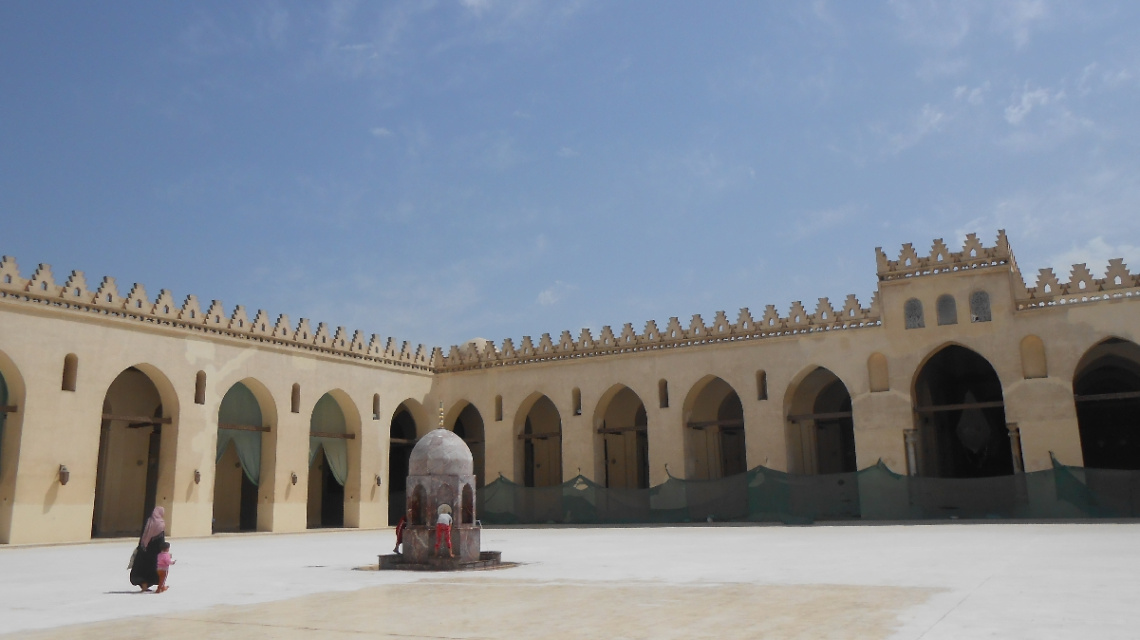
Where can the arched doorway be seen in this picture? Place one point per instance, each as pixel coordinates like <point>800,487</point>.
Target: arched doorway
<point>1106,389</point>
<point>401,441</point>
<point>469,426</point>
<point>136,427</point>
<point>540,456</point>
<point>328,463</point>
<point>714,433</point>
<point>960,416</point>
<point>238,458</point>
<point>820,431</point>
<point>621,441</point>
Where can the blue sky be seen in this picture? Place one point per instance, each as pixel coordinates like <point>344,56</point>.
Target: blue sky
<point>436,171</point>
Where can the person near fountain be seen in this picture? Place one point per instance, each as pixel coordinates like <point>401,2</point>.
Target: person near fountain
<point>400,526</point>
<point>443,528</point>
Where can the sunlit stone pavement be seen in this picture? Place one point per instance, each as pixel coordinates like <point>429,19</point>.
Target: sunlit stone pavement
<point>891,581</point>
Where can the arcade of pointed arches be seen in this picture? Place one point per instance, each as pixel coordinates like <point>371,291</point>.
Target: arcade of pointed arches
<point>960,431</point>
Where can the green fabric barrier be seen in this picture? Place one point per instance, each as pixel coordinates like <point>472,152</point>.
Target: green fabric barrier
<point>872,494</point>
<point>240,406</point>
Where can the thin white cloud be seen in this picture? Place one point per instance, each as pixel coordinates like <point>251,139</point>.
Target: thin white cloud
<point>567,152</point>
<point>555,293</point>
<point>974,96</point>
<point>929,119</point>
<point>1095,254</point>
<point>380,132</point>
<point>1029,99</point>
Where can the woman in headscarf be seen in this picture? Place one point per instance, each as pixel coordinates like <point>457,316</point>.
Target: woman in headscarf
<point>144,571</point>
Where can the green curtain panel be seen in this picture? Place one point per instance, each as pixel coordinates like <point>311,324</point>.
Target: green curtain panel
<point>328,418</point>
<point>239,406</point>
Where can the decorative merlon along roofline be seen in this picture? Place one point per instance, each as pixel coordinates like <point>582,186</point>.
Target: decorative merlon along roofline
<point>164,311</point>
<point>1118,283</point>
<point>481,354</point>
<point>1082,287</point>
<point>941,260</point>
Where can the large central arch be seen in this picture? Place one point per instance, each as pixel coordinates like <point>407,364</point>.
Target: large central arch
<point>714,433</point>
<point>1106,389</point>
<point>538,458</point>
<point>820,432</point>
<point>621,442</point>
<point>960,417</point>
<point>137,426</point>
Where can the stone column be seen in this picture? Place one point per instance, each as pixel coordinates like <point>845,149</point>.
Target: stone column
<point>911,438</point>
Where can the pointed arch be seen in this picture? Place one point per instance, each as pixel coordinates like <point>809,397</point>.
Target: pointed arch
<point>621,439</point>
<point>139,422</point>
<point>466,421</point>
<point>245,458</point>
<point>334,462</point>
<point>403,432</point>
<point>11,423</point>
<point>538,452</point>
<point>819,429</point>
<point>960,416</point>
<point>1106,390</point>
<point>714,430</point>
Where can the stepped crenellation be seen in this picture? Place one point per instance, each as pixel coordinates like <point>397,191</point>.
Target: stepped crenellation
<point>106,300</point>
<point>76,294</point>
<point>941,260</point>
<point>798,321</point>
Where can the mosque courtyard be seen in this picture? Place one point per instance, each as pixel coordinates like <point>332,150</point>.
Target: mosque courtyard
<point>968,580</point>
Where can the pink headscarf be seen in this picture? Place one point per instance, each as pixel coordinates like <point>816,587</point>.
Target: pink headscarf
<point>154,526</point>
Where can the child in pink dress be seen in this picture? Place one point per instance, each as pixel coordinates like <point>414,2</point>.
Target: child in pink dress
<point>164,562</point>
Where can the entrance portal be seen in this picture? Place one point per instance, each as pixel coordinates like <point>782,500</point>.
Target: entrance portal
<point>1106,389</point>
<point>130,440</point>
<point>960,414</point>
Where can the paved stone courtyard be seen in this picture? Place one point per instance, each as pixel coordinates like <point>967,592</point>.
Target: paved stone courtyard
<point>891,581</point>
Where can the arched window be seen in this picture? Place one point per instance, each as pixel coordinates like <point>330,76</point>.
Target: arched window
<point>663,393</point>
<point>376,406</point>
<point>70,371</point>
<point>912,310</point>
<point>295,399</point>
<point>1033,364</point>
<point>979,306</point>
<point>200,388</point>
<point>947,310</point>
<point>498,408</point>
<point>576,400</point>
<point>761,385</point>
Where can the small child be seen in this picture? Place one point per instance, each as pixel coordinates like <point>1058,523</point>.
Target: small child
<point>164,562</point>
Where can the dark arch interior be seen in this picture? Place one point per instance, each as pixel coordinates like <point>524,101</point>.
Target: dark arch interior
<point>469,427</point>
<point>402,436</point>
<point>1107,390</point>
<point>542,457</point>
<point>835,436</point>
<point>960,439</point>
<point>730,415</point>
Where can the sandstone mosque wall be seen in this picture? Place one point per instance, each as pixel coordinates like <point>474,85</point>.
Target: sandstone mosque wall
<point>613,406</point>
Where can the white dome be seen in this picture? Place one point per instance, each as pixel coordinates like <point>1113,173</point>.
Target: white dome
<point>441,453</point>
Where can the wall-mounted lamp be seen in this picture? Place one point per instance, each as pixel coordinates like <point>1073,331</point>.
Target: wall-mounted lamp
<point>64,474</point>
<point>197,476</point>
<point>378,481</point>
<point>293,477</point>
